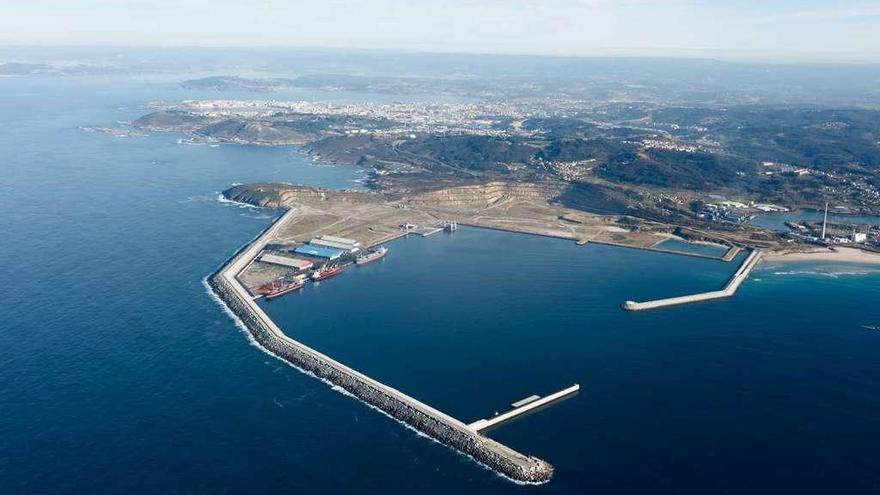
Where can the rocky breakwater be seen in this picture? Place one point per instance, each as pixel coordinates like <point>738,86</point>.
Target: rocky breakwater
<point>419,416</point>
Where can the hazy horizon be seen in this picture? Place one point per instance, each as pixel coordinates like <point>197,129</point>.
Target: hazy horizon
<point>747,30</point>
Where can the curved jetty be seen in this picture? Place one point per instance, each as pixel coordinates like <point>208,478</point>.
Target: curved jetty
<point>420,416</point>
<point>730,289</point>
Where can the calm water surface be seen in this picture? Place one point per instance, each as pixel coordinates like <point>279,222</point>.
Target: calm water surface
<point>692,247</point>
<point>118,373</point>
<point>776,221</point>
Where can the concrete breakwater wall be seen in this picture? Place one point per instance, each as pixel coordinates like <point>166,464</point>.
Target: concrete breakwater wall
<point>516,230</point>
<point>728,256</point>
<point>421,417</point>
<point>729,289</point>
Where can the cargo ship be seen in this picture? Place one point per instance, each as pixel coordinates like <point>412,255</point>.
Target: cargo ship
<point>326,272</point>
<point>269,287</point>
<point>371,256</point>
<point>284,288</point>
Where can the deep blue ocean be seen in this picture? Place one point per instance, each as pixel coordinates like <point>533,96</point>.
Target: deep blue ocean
<point>120,374</point>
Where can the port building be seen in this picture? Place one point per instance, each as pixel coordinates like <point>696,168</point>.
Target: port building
<point>298,264</point>
<point>330,241</point>
<point>319,251</point>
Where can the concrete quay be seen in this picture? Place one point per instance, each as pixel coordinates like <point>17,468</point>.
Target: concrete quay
<point>518,410</point>
<point>729,255</point>
<point>419,416</point>
<point>742,273</point>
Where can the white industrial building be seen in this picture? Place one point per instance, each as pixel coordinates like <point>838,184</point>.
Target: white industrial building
<point>279,259</point>
<point>330,241</point>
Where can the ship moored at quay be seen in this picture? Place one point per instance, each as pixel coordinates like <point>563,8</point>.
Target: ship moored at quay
<point>329,255</point>
<point>374,255</point>
<point>326,272</point>
<point>416,414</point>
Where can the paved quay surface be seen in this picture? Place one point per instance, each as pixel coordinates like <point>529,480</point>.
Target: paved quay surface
<point>416,414</point>
<point>533,403</point>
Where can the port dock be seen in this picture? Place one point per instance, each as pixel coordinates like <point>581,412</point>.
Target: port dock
<point>728,255</point>
<point>731,253</point>
<point>523,406</point>
<point>363,218</point>
<point>445,429</point>
<point>741,274</point>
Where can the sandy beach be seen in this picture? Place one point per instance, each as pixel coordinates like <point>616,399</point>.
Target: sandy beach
<point>841,254</point>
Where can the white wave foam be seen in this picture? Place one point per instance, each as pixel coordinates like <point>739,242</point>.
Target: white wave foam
<point>257,217</point>
<point>341,390</point>
<point>826,273</point>
<point>238,204</point>
<point>201,198</point>
<point>190,142</point>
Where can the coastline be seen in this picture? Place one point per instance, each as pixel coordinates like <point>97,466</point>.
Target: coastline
<point>839,255</point>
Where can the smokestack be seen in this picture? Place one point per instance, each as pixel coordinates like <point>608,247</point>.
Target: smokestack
<point>825,221</point>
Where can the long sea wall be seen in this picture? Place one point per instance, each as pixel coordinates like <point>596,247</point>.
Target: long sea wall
<point>423,418</point>
<point>729,289</point>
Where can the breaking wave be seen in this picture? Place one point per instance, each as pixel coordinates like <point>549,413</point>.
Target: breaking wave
<point>238,204</point>
<point>827,273</point>
<point>341,390</point>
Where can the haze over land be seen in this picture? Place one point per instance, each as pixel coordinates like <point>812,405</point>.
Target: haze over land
<point>671,140</point>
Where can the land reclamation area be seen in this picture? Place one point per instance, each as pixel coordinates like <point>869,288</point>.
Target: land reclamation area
<point>130,369</point>
<point>471,321</point>
<point>317,216</point>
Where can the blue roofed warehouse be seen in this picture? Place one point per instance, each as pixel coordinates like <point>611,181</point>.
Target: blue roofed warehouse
<point>318,251</point>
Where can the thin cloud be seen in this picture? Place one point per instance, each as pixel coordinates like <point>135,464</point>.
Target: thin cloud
<point>849,13</point>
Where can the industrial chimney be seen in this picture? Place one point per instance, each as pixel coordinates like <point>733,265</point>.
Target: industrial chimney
<point>825,221</point>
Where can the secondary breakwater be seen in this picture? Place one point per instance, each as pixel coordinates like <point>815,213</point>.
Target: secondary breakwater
<point>421,417</point>
<point>729,255</point>
<point>729,289</point>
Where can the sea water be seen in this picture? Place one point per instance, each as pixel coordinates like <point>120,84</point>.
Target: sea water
<point>776,221</point>
<point>119,373</point>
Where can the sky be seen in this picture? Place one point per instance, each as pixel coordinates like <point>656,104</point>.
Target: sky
<point>810,30</point>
